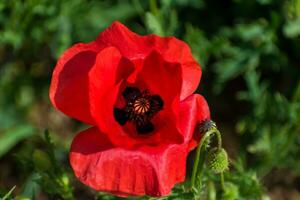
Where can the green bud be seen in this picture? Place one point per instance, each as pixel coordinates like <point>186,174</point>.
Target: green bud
<point>217,160</point>
<point>41,160</point>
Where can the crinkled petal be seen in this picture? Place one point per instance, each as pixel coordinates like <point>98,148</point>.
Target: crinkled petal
<point>148,170</point>
<point>193,110</point>
<point>69,85</point>
<point>134,46</point>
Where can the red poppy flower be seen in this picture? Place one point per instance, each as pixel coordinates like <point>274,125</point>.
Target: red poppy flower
<point>137,93</point>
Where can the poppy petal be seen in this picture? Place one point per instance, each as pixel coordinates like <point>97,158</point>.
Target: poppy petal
<point>135,47</point>
<point>161,78</point>
<point>164,80</point>
<point>69,85</point>
<point>148,170</point>
<point>104,92</point>
<point>177,51</point>
<point>193,110</point>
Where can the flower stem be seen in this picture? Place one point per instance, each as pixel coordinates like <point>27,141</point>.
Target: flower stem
<point>222,181</point>
<point>198,153</point>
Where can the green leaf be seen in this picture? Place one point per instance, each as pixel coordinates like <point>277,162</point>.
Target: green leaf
<point>12,136</point>
<point>292,28</point>
<point>198,43</point>
<point>30,187</point>
<point>153,24</point>
<point>8,195</point>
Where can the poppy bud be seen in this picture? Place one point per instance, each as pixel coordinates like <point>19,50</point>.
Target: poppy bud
<point>41,160</point>
<point>207,125</point>
<point>217,160</point>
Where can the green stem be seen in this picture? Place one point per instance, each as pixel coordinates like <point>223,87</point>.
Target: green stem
<point>222,181</point>
<point>8,195</point>
<point>201,169</point>
<point>219,138</point>
<point>198,152</point>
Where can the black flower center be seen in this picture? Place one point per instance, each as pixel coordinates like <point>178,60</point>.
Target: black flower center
<point>140,108</point>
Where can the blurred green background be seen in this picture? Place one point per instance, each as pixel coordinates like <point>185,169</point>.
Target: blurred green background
<point>250,54</point>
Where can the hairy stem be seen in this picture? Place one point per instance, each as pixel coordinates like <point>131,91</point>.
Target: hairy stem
<point>196,167</point>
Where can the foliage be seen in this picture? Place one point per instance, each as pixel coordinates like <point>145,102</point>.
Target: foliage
<point>249,51</point>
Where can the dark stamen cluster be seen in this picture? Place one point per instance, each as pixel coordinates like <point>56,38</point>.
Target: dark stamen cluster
<point>140,108</point>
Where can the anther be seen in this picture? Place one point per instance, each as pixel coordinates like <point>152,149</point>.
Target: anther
<point>140,109</point>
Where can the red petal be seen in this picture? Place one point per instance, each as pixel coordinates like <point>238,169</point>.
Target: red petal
<point>161,77</point>
<point>69,84</point>
<point>193,110</point>
<point>104,93</point>
<point>149,171</point>
<point>134,47</point>
<point>177,51</point>
<point>164,79</point>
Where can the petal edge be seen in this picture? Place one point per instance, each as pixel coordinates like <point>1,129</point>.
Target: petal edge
<point>69,84</point>
<point>149,171</point>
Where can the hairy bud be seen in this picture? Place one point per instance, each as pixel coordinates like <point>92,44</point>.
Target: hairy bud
<point>217,160</point>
